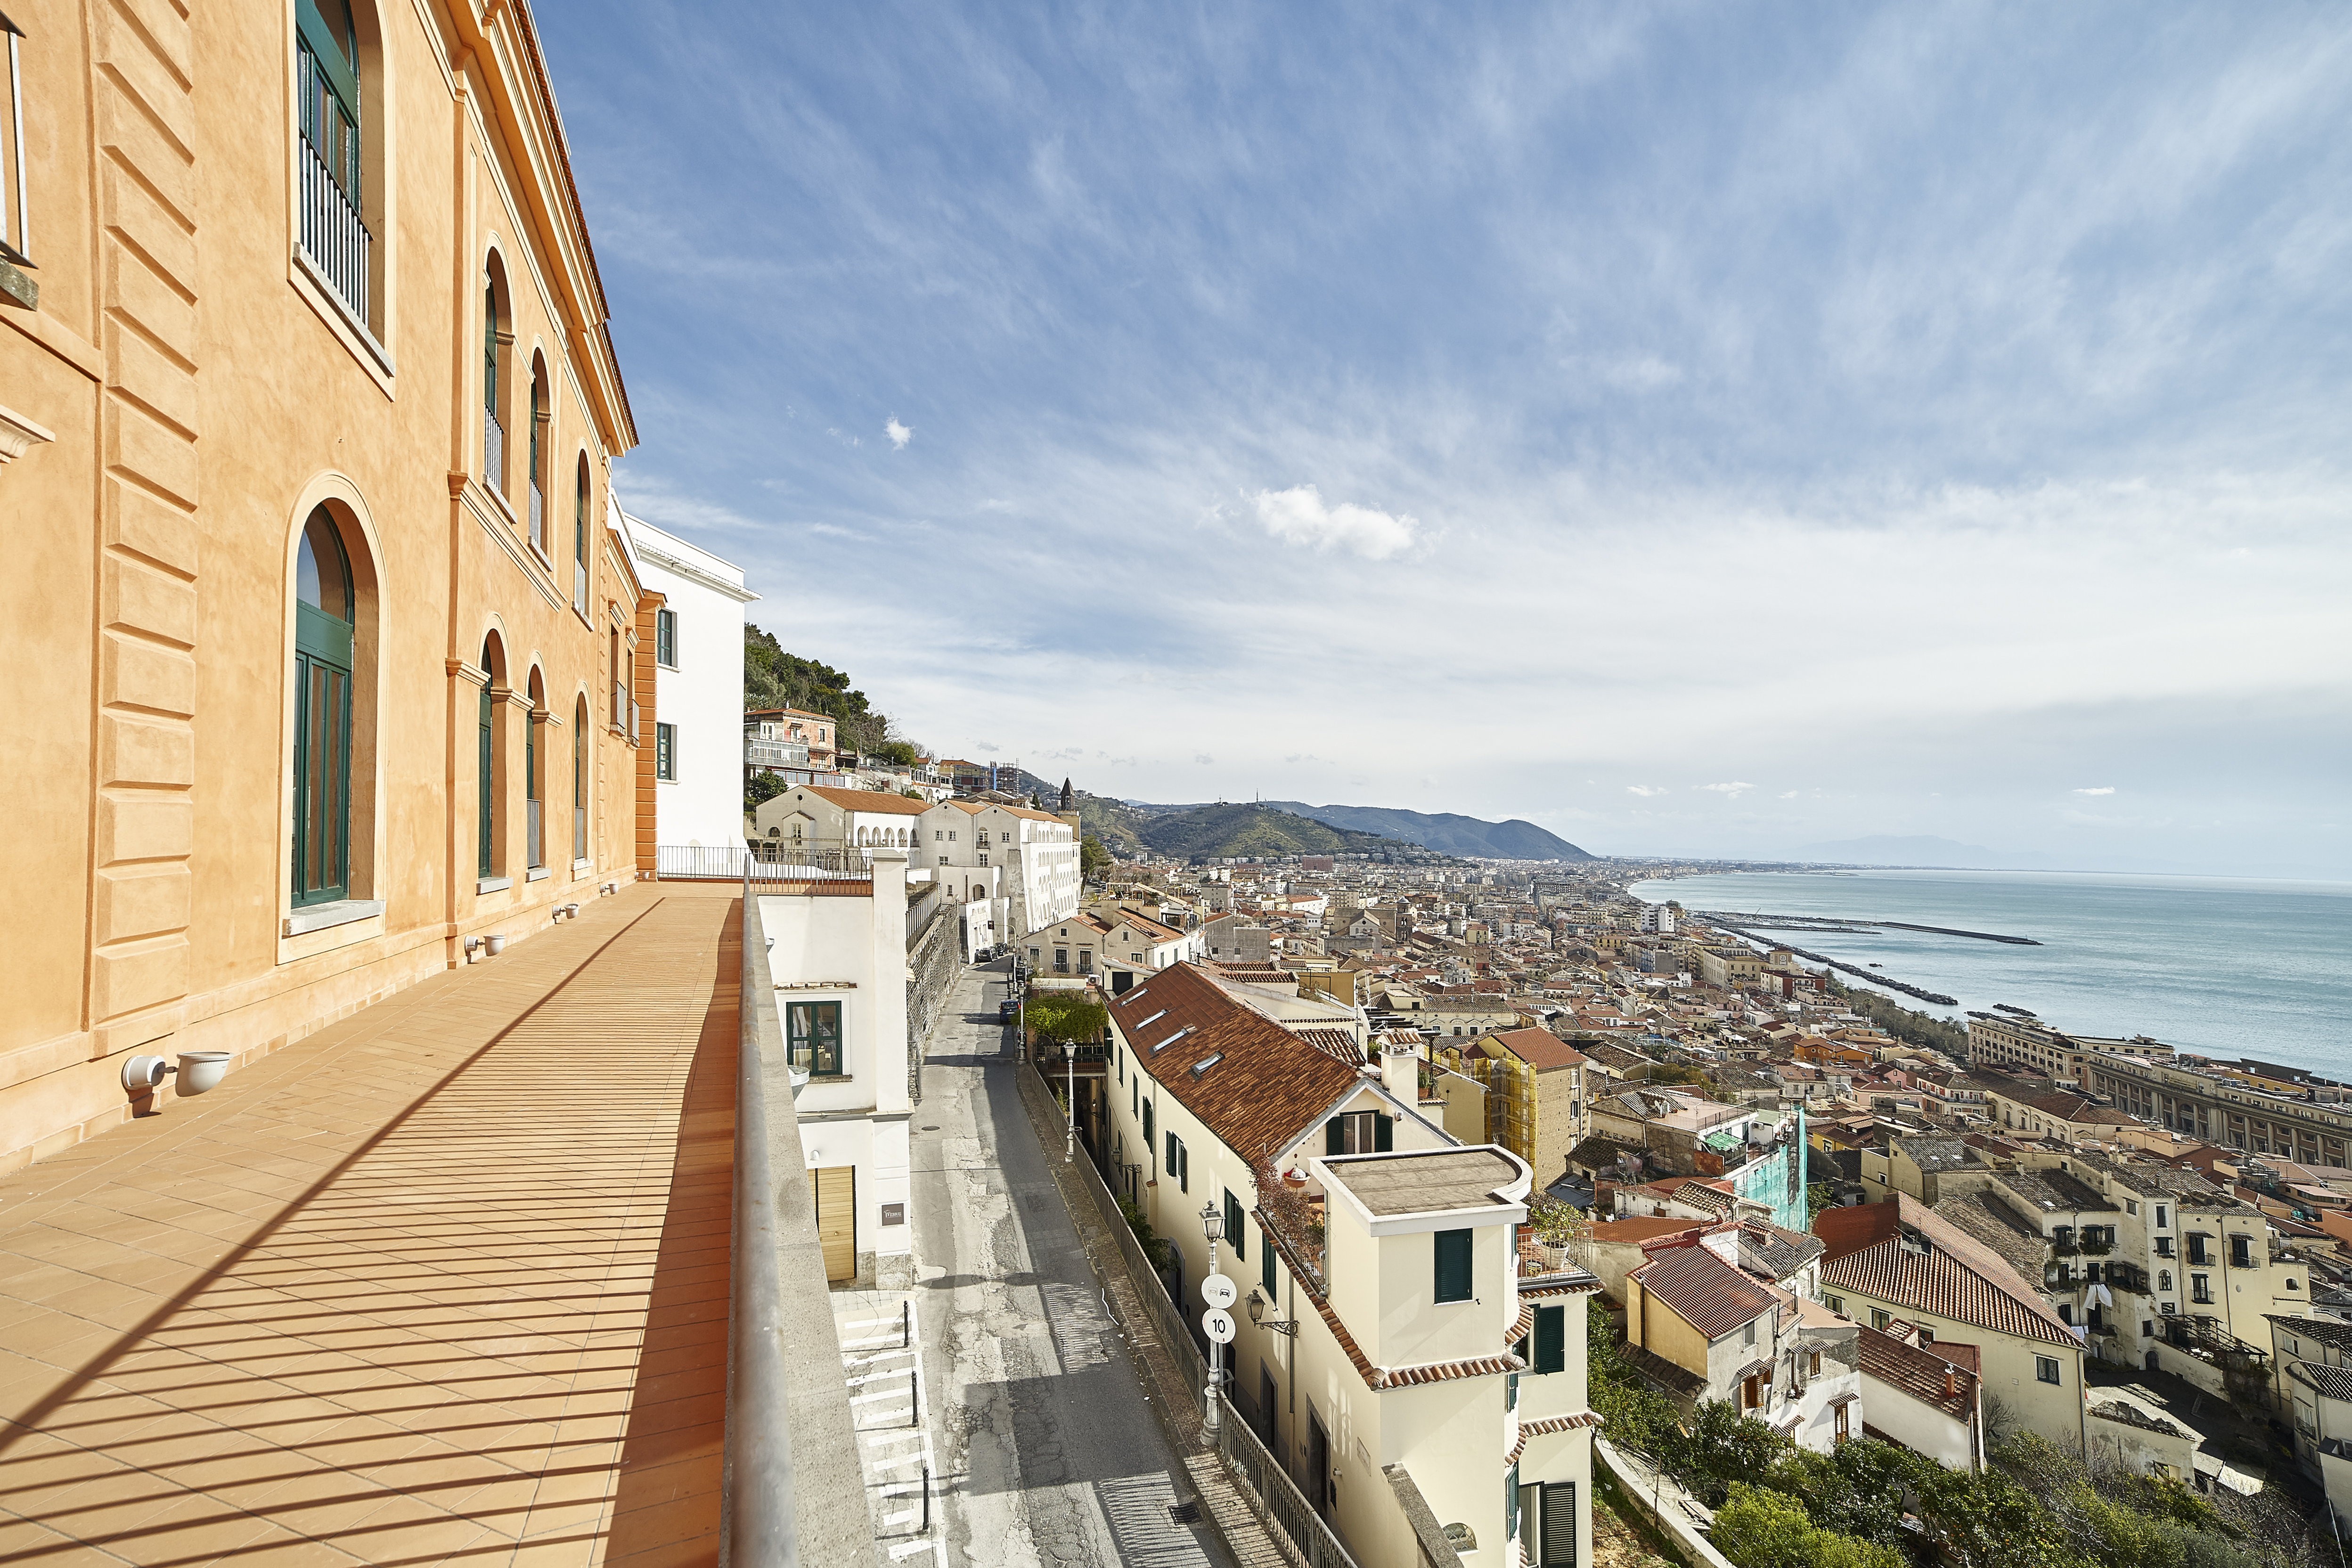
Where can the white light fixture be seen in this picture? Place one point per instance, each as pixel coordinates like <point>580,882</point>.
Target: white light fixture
<point>199,1072</point>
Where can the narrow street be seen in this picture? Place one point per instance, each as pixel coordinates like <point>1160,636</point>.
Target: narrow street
<point>1048,1452</point>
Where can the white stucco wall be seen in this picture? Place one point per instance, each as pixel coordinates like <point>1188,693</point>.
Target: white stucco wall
<point>702,697</point>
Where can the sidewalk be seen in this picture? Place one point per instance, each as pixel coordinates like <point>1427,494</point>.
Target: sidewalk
<point>445,1281</point>
<point>881,1350</point>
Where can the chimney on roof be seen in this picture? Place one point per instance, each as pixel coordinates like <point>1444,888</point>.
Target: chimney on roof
<point>1401,1072</point>
<point>1951,1383</point>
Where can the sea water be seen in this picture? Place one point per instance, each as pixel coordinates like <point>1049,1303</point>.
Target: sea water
<point>2219,966</point>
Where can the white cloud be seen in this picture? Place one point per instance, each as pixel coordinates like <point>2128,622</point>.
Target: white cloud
<point>1734,790</point>
<point>2104,789</point>
<point>985,745</point>
<point>899,433</point>
<point>1299,516</point>
<point>1203,759</point>
<point>1788,794</point>
<point>1645,790</point>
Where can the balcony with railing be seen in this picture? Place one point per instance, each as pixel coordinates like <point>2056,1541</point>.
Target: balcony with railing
<point>335,238</point>
<point>759,754</point>
<point>494,453</point>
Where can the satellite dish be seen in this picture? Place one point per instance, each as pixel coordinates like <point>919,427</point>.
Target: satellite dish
<point>1219,1290</point>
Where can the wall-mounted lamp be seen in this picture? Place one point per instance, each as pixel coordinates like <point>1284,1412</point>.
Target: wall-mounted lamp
<point>1258,1315</point>
<point>199,1072</point>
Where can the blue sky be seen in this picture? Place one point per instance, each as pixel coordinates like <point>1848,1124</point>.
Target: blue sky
<point>1693,429</point>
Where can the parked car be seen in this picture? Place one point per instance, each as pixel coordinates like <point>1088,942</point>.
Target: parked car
<point>1009,1010</point>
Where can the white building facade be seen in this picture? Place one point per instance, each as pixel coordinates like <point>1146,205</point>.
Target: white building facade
<point>838,959</point>
<point>698,652</point>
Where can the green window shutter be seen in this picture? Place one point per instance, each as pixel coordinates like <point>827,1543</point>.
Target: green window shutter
<point>1383,1134</point>
<point>1147,1124</point>
<point>1335,1137</point>
<point>1558,1545</point>
<point>1265,1273</point>
<point>1234,1235</point>
<point>1184,1169</point>
<point>482,767</point>
<point>1551,1338</point>
<point>1452,1247</point>
<point>1171,1155</point>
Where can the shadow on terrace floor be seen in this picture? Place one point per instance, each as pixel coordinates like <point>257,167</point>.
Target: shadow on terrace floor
<point>445,1281</point>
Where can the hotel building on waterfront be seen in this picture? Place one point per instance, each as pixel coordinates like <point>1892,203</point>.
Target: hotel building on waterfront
<point>2011,1044</point>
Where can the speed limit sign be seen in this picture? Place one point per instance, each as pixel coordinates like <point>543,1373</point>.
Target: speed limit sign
<point>1218,1325</point>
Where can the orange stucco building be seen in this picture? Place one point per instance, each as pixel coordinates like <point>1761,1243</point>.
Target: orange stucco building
<point>309,407</point>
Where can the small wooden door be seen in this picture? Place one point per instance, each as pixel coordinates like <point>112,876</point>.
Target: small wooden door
<point>837,1219</point>
<point>1318,1465</point>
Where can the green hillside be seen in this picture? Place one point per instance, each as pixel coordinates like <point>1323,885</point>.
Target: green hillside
<point>1247,829</point>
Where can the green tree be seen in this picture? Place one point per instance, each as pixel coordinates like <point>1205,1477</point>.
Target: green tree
<point>762,787</point>
<point>1757,1528</point>
<point>1094,860</point>
<point>1066,1017</point>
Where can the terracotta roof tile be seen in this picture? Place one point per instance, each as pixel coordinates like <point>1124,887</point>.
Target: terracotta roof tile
<point>1704,1291</point>
<point>1919,1372</point>
<point>1904,1253</point>
<point>1267,1086</point>
<point>1539,1048</point>
<point>870,800</point>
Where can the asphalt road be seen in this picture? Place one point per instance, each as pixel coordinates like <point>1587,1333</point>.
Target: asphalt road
<point>1049,1452</point>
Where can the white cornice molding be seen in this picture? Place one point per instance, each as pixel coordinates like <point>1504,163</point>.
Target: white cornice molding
<point>19,435</point>
<point>696,576</point>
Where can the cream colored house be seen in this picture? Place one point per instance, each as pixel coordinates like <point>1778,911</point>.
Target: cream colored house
<point>1035,851</point>
<point>1900,1260</point>
<point>333,658</point>
<point>818,817</point>
<point>1377,1372</point>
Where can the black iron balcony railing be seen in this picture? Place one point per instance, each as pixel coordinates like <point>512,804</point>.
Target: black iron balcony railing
<point>333,236</point>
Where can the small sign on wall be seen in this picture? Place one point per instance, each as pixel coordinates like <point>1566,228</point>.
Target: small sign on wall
<point>894,1214</point>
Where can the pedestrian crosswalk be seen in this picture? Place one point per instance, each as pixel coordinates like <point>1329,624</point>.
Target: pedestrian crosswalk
<point>881,1360</point>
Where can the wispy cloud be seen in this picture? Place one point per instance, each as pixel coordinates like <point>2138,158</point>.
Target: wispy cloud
<point>899,433</point>
<point>1733,791</point>
<point>2104,789</point>
<point>1645,791</point>
<point>1299,516</point>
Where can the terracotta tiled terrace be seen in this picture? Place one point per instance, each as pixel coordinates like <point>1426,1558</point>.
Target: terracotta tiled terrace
<point>445,1281</point>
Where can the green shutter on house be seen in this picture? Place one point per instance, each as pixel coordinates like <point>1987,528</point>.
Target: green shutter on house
<point>1233,1225</point>
<point>1335,1137</point>
<point>1265,1273</point>
<point>1557,1547</point>
<point>1452,1248</point>
<point>1383,1133</point>
<point>482,769</point>
<point>1551,1338</point>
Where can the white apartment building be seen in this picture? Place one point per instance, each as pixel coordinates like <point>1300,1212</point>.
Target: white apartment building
<point>837,957</point>
<point>698,652</point>
<point>1036,851</point>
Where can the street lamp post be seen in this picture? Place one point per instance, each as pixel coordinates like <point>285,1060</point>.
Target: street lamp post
<point>1213,1226</point>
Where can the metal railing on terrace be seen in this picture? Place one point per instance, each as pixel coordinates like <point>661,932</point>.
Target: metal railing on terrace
<point>534,826</point>
<point>494,453</point>
<point>769,866</point>
<point>333,236</point>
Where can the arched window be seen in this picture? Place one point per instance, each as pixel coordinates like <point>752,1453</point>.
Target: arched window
<point>534,829</point>
<point>580,779</point>
<point>322,714</point>
<point>334,232</point>
<point>580,541</point>
<point>489,760</point>
<point>494,435</point>
<point>2164,1279</point>
<point>538,428</point>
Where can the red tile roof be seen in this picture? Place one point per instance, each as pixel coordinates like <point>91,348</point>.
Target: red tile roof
<point>1919,1372</point>
<point>870,800</point>
<point>1539,1048</point>
<point>1267,1086</point>
<point>1905,1253</point>
<point>1703,1291</point>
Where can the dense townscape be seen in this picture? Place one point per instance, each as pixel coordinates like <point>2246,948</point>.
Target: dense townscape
<point>506,1061</point>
